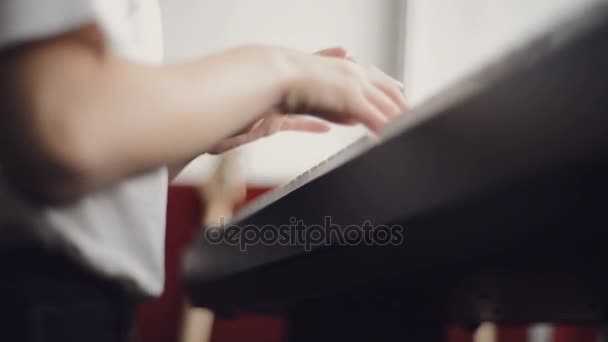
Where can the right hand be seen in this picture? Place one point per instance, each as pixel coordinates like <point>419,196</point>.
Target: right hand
<point>340,91</point>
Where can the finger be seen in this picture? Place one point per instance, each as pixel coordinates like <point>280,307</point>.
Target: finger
<point>304,124</point>
<point>337,52</point>
<point>286,122</point>
<point>368,114</point>
<point>397,95</point>
<point>346,121</point>
<point>336,118</point>
<point>391,87</point>
<point>382,101</point>
<point>232,142</point>
<point>381,73</point>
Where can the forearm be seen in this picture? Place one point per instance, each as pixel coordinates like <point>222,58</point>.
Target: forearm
<point>98,119</point>
<point>166,115</point>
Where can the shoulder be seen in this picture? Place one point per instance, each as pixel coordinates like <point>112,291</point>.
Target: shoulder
<point>130,27</point>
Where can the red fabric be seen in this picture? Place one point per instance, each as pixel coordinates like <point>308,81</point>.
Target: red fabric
<point>512,333</point>
<point>160,319</point>
<point>458,333</point>
<point>250,328</point>
<point>576,333</point>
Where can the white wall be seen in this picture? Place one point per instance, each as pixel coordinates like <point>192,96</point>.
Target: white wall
<point>447,39</point>
<point>369,29</point>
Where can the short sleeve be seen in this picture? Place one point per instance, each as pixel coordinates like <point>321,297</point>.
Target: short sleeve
<point>25,20</point>
<point>22,21</point>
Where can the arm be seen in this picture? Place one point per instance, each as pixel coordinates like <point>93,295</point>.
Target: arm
<point>92,118</point>
<point>78,118</point>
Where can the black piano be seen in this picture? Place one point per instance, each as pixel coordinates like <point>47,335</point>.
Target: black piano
<point>499,185</point>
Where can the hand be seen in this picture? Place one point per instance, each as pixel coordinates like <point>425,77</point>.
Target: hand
<point>275,121</point>
<point>270,124</point>
<point>338,90</point>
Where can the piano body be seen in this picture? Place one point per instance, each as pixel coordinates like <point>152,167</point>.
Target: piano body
<point>500,183</point>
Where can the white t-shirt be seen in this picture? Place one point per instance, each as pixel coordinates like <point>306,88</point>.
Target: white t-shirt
<point>118,232</point>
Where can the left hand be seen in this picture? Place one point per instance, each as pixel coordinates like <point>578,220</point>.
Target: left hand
<point>275,121</point>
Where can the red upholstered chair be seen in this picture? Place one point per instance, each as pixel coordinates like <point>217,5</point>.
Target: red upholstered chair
<point>159,320</point>
<point>576,333</point>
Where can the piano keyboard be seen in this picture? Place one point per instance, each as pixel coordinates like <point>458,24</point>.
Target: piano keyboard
<point>351,151</point>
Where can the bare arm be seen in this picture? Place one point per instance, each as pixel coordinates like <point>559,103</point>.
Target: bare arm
<point>271,123</point>
<point>78,118</point>
<point>92,118</point>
